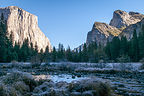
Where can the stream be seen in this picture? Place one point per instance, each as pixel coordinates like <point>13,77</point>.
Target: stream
<point>120,85</point>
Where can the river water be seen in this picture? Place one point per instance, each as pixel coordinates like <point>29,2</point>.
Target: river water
<point>120,85</point>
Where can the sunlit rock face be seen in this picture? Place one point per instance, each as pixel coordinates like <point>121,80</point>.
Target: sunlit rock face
<point>24,25</point>
<point>101,32</point>
<point>128,31</point>
<point>124,19</point>
<point>122,23</point>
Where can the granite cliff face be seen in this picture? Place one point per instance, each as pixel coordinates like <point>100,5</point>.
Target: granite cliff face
<point>23,25</point>
<point>101,32</point>
<point>128,31</point>
<point>124,19</point>
<point>122,23</point>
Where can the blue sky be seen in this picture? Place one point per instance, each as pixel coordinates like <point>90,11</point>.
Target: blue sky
<point>68,21</point>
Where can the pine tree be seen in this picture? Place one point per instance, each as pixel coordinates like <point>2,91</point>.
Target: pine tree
<point>90,50</point>
<point>141,42</point>
<point>14,56</point>
<point>107,50</point>
<point>17,50</point>
<point>60,53</point>
<point>54,55</point>
<point>115,48</point>
<point>35,53</point>
<point>135,47</point>
<point>85,53</point>
<point>130,50</point>
<point>41,56</point>
<point>80,55</point>
<point>35,58</point>
<point>24,51</point>
<point>4,41</point>
<point>123,46</point>
<point>47,54</point>
<point>76,56</point>
<point>68,54</point>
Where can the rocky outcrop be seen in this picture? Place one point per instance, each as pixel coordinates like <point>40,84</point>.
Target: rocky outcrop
<point>23,25</point>
<point>123,19</point>
<point>128,32</point>
<point>101,32</point>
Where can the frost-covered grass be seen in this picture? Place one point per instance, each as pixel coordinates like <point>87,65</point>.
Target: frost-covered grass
<point>86,87</point>
<point>23,84</point>
<point>97,87</point>
<point>130,66</point>
<point>70,67</point>
<point>17,84</point>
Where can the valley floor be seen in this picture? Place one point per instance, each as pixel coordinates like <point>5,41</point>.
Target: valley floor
<point>72,79</point>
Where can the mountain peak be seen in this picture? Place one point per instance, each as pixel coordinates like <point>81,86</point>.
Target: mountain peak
<point>119,12</point>
<point>123,19</point>
<point>13,7</point>
<point>101,32</point>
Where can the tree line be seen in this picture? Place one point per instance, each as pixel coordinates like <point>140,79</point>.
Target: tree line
<point>117,50</point>
<point>124,50</point>
<point>10,51</point>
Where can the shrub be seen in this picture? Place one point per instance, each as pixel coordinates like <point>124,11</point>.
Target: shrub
<point>35,60</point>
<point>3,90</point>
<point>35,65</point>
<point>14,62</point>
<point>99,88</point>
<point>17,84</point>
<point>142,61</point>
<point>21,87</point>
<point>8,91</point>
<point>16,76</point>
<point>123,59</point>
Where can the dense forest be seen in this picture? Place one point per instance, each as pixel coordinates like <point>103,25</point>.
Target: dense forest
<point>118,50</point>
